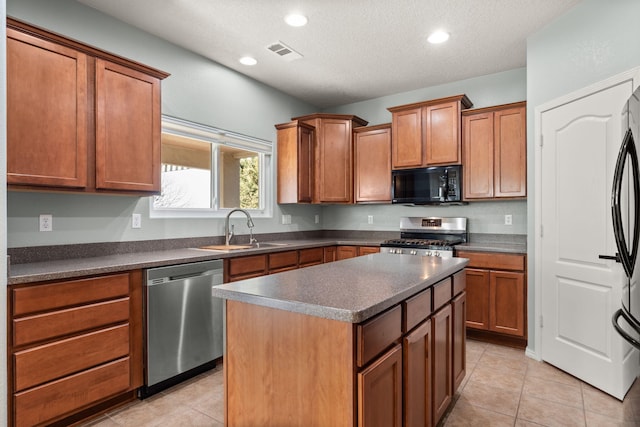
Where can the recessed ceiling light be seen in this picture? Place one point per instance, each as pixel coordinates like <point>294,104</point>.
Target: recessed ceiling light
<point>247,60</point>
<point>296,20</point>
<point>438,37</point>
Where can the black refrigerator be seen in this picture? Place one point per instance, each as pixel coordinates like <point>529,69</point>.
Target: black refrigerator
<point>625,206</point>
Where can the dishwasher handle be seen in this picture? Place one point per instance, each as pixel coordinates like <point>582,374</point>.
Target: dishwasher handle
<point>189,275</point>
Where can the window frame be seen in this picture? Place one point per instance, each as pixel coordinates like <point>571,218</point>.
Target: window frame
<point>219,137</point>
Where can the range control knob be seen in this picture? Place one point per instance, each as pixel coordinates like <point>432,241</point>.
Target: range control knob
<point>398,251</point>
<point>413,252</point>
<point>436,253</point>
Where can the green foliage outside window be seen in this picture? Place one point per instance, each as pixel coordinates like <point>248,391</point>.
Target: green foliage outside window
<point>249,183</point>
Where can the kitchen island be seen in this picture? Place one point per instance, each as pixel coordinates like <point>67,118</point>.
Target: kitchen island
<point>378,338</point>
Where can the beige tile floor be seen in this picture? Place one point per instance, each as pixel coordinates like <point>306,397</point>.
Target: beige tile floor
<point>502,387</point>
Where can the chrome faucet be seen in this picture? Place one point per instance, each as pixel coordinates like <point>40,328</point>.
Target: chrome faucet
<point>228,233</point>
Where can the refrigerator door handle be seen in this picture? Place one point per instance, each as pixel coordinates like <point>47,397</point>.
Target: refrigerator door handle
<point>627,254</point>
<point>634,324</point>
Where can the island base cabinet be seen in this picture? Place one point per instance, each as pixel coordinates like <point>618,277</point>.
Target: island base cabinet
<point>417,377</point>
<point>282,367</point>
<point>380,391</point>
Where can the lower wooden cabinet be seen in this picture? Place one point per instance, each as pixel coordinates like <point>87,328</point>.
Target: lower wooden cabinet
<point>496,295</point>
<point>459,357</point>
<point>344,252</point>
<point>417,376</point>
<point>380,391</point>
<point>73,345</point>
<point>442,348</point>
<point>330,253</point>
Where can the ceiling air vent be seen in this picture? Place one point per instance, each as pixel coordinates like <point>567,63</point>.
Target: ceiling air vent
<point>284,51</point>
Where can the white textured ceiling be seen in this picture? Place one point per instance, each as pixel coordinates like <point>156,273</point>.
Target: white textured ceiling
<point>352,50</point>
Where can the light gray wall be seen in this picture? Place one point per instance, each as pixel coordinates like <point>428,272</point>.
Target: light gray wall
<point>198,90</point>
<point>483,91</point>
<point>484,217</point>
<point>594,40</point>
<point>205,92</point>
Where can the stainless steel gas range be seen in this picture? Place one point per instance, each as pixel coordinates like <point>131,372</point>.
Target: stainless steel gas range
<point>427,236</point>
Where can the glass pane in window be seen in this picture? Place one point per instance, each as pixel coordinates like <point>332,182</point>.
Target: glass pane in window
<point>239,178</point>
<point>186,173</point>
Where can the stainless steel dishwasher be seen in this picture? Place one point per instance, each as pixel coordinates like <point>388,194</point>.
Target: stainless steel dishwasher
<point>183,323</point>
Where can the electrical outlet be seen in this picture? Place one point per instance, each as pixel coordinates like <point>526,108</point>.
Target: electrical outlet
<point>46,222</point>
<point>136,221</point>
<point>286,219</point>
<point>317,219</point>
<point>508,220</point>
<point>370,219</point>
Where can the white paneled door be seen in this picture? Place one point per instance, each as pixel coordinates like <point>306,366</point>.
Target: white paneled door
<point>578,292</point>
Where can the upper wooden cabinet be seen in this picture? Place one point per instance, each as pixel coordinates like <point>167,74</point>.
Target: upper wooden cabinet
<point>295,162</point>
<point>427,133</point>
<point>79,118</point>
<point>372,147</point>
<point>495,152</point>
<point>333,151</point>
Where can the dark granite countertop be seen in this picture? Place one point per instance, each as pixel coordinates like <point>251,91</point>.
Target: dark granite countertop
<point>514,248</point>
<point>351,290</point>
<point>72,267</point>
<point>77,267</point>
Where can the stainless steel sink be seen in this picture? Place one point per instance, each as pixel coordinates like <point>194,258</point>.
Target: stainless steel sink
<point>269,244</point>
<point>229,248</point>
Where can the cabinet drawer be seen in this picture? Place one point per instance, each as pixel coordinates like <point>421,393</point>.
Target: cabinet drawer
<point>493,261</point>
<point>248,266</point>
<point>39,404</point>
<point>47,362</point>
<point>366,250</point>
<point>377,334</point>
<point>441,293</point>
<point>281,260</point>
<point>416,309</point>
<point>40,327</point>
<point>311,256</point>
<point>459,282</point>
<point>39,298</point>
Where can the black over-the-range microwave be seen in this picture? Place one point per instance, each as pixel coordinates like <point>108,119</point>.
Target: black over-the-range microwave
<point>438,185</point>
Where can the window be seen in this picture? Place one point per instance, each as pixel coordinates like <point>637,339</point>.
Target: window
<point>207,171</point>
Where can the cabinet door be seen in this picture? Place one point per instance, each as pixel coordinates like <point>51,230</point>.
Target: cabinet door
<point>380,391</point>
<point>416,349</point>
<point>459,309</point>
<point>47,111</point>
<point>478,298</point>
<point>442,133</point>
<point>373,166</point>
<point>344,252</point>
<point>407,138</point>
<point>295,163</point>
<point>127,129</point>
<point>442,385</point>
<point>305,164</point>
<point>334,162</point>
<point>506,314</point>
<point>478,155</point>
<point>510,152</point>
<point>330,253</point>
